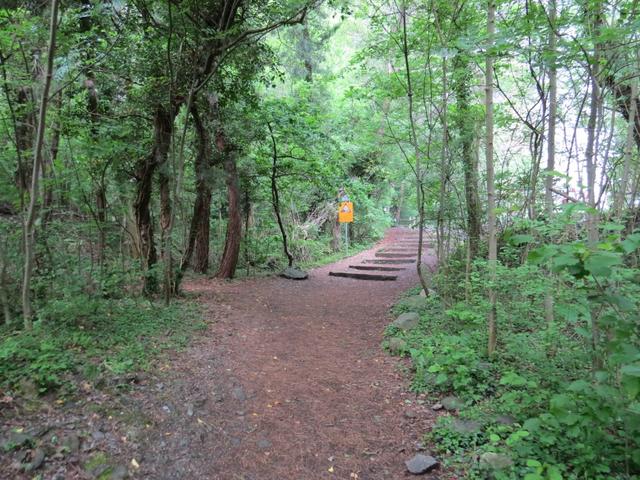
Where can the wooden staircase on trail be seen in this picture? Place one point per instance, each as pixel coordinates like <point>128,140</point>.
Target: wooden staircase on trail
<point>386,261</point>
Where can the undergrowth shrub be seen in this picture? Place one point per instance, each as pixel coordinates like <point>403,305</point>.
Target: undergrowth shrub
<point>88,337</point>
<point>559,400</point>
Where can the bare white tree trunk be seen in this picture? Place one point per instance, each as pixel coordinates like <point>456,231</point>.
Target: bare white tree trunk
<point>551,144</point>
<point>29,230</point>
<point>491,194</point>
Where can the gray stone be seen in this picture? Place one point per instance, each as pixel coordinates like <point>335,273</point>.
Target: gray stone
<point>264,444</point>
<point>506,420</point>
<point>119,472</point>
<point>410,414</point>
<point>420,464</point>
<point>414,302</point>
<point>466,427</point>
<point>452,403</point>
<point>495,461</point>
<point>98,435</point>
<point>293,273</point>
<point>16,440</point>
<point>436,406</point>
<point>36,461</point>
<point>397,345</point>
<point>238,394</point>
<point>72,443</point>
<point>407,321</point>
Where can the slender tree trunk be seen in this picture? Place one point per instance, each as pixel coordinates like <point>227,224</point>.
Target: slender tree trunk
<point>465,126</point>
<point>416,149</point>
<point>628,153</point>
<point>231,251</point>
<point>591,162</point>
<point>275,196</point>
<point>590,157</point>
<point>553,109</point>
<point>4,298</point>
<point>335,234</point>
<point>29,230</point>
<point>444,164</point>
<point>99,180</point>
<point>48,160</point>
<point>491,195</point>
<point>400,203</point>
<point>551,148</point>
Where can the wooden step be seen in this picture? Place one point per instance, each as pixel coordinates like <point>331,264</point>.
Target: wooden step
<point>380,261</point>
<point>364,276</point>
<point>395,255</point>
<point>377,267</point>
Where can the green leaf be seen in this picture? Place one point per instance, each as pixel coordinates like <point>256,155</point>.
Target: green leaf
<point>631,370</point>
<point>631,243</point>
<point>554,473</point>
<point>600,263</point>
<point>522,239</point>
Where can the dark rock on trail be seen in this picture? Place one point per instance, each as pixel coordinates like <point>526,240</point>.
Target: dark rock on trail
<point>264,444</point>
<point>119,472</point>
<point>293,273</point>
<point>420,464</point>
<point>36,461</point>
<point>239,394</point>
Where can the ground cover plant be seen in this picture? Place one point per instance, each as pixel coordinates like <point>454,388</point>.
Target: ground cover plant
<point>558,399</point>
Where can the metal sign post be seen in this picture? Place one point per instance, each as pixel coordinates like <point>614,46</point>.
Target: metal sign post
<point>345,216</point>
<point>346,237</point>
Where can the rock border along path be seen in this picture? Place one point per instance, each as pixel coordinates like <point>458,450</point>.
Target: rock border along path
<point>289,382</point>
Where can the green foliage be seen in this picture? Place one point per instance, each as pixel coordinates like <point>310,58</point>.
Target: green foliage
<point>85,337</point>
<point>571,397</point>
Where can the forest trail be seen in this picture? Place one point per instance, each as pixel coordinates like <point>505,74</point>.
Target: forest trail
<point>288,382</point>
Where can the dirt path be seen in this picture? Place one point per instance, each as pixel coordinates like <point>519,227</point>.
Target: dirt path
<point>290,382</point>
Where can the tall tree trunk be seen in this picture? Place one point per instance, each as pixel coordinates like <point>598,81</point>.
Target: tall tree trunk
<point>465,127</point>
<point>99,186</point>
<point>590,156</point>
<point>24,131</point>
<point>591,161</point>
<point>229,259</point>
<point>162,126</point>
<point>200,221</point>
<point>553,109</point>
<point>491,194</point>
<point>444,165</point>
<point>416,150</point>
<point>29,224</point>
<point>551,147</point>
<point>275,196</point>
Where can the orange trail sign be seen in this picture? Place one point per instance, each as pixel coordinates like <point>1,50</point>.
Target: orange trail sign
<point>345,213</point>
